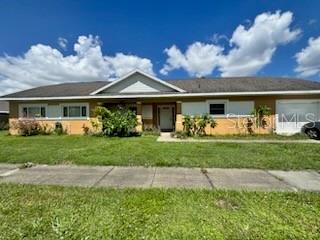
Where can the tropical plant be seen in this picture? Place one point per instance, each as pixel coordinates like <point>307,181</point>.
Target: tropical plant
<point>196,125</point>
<point>117,121</point>
<point>203,121</point>
<point>260,115</point>
<point>188,124</point>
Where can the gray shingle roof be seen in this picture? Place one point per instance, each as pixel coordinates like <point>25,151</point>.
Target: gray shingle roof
<point>61,90</point>
<point>196,85</point>
<point>245,84</point>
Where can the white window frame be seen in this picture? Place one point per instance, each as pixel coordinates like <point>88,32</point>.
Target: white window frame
<point>26,105</point>
<point>218,101</point>
<point>75,105</point>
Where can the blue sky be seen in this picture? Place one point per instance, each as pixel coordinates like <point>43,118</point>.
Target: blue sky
<point>145,29</point>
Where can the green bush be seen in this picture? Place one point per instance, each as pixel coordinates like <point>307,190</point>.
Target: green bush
<point>118,121</point>
<point>195,125</point>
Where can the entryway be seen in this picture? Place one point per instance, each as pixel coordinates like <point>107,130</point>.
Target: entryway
<point>166,115</point>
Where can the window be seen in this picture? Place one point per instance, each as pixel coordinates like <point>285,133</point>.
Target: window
<point>147,111</point>
<point>34,112</point>
<point>240,108</point>
<point>74,111</point>
<point>217,108</point>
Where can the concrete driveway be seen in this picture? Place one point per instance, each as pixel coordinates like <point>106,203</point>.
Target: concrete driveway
<point>142,177</point>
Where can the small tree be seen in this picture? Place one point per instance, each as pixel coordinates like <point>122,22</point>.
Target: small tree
<point>188,124</point>
<point>196,125</point>
<point>203,121</point>
<point>260,115</point>
<point>117,121</point>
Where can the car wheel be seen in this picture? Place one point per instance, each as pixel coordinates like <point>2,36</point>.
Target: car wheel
<point>313,133</point>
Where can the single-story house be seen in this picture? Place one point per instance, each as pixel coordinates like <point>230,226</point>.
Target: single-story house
<point>4,114</point>
<point>162,103</point>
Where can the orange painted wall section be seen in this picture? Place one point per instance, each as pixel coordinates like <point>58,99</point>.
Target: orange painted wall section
<point>230,126</point>
<point>71,126</point>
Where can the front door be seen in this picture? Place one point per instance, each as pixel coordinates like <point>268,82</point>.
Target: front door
<point>166,118</point>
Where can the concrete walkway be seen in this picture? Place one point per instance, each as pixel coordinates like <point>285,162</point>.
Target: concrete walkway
<point>141,177</point>
<point>166,137</point>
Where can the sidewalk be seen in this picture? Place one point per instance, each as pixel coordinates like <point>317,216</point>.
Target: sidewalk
<point>141,177</point>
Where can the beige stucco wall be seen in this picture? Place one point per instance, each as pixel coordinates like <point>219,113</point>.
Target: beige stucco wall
<point>232,126</point>
<point>225,126</point>
<point>237,126</point>
<point>72,126</point>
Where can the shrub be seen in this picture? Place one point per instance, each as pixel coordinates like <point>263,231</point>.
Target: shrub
<point>260,115</point>
<point>59,130</point>
<point>118,121</point>
<point>249,125</point>
<point>195,125</point>
<point>45,129</point>
<point>27,127</point>
<point>86,129</point>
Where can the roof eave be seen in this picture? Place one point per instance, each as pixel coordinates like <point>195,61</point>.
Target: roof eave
<point>217,94</point>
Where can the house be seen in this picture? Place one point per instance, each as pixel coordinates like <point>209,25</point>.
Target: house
<point>4,114</point>
<point>162,104</point>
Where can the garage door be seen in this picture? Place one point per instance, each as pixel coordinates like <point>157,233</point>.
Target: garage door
<point>293,114</point>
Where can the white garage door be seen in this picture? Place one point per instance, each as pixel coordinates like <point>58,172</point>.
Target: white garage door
<point>293,114</point>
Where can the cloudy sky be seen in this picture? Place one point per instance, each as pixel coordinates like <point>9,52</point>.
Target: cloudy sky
<point>50,42</point>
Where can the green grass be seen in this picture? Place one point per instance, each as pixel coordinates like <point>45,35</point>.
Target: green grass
<point>42,212</point>
<point>145,151</point>
<point>257,137</point>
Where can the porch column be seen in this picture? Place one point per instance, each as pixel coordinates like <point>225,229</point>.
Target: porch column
<point>179,118</point>
<point>139,117</point>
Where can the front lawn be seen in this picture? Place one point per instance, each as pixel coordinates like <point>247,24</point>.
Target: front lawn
<point>145,151</point>
<point>256,137</point>
<point>42,212</point>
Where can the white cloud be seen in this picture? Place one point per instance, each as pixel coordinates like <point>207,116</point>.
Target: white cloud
<point>43,65</point>
<point>123,64</point>
<point>199,59</point>
<point>251,48</point>
<point>63,43</point>
<point>216,38</point>
<point>254,47</point>
<point>308,59</point>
